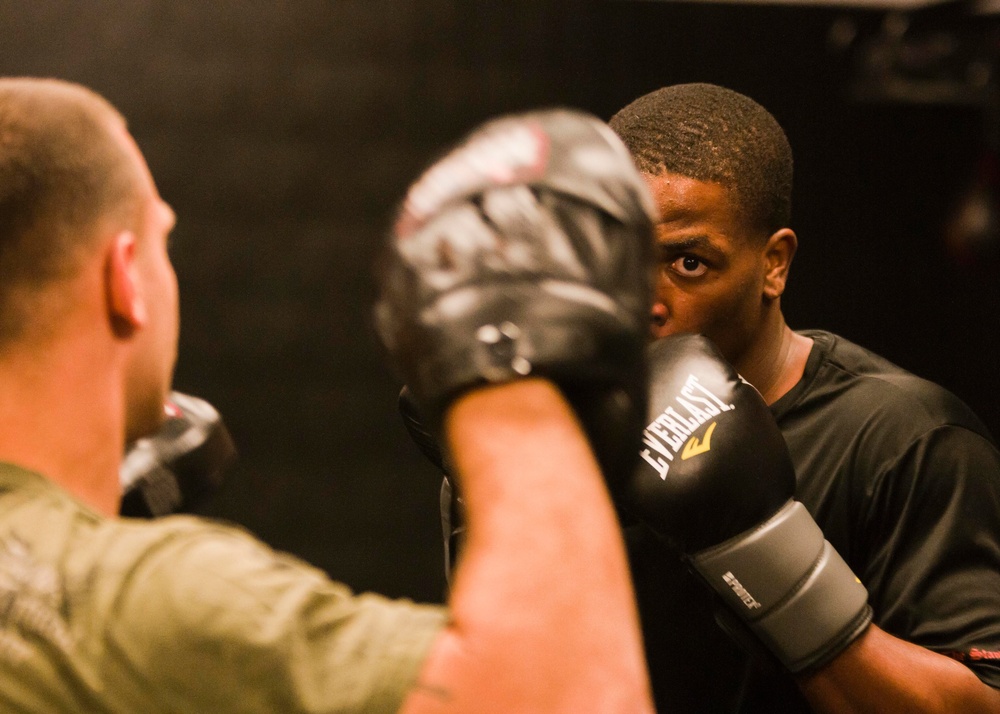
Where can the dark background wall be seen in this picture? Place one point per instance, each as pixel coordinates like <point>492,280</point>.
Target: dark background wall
<point>284,133</point>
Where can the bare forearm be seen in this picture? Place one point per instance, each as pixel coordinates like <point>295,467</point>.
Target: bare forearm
<point>547,508</point>
<point>543,572</point>
<point>883,674</point>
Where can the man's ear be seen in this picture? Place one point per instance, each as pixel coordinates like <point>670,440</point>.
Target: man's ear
<point>778,254</point>
<point>126,306</point>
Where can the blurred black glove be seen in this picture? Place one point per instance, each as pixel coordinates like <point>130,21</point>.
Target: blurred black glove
<point>181,465</point>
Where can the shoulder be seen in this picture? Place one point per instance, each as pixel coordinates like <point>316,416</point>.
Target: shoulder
<point>870,388</point>
<point>856,417</point>
<point>182,597</point>
<point>185,562</point>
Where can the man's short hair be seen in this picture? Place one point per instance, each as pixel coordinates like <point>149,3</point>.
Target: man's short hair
<point>710,133</point>
<point>61,171</point>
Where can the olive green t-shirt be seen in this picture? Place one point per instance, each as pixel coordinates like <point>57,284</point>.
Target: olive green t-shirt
<point>184,615</point>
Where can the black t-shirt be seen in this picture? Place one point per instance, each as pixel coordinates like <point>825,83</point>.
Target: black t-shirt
<point>904,481</point>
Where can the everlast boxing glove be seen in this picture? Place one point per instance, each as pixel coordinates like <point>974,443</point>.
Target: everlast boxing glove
<point>175,469</point>
<point>716,481</point>
<point>527,251</point>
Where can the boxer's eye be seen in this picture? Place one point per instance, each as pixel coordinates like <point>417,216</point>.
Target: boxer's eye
<point>689,266</point>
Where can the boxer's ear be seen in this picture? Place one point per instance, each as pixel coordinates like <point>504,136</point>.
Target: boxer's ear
<point>126,307</point>
<point>778,254</point>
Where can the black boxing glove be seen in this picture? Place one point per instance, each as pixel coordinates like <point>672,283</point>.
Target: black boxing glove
<point>716,481</point>
<point>178,467</point>
<point>451,504</point>
<point>527,251</point>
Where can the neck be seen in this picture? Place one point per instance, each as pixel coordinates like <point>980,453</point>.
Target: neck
<point>59,417</point>
<point>779,361</point>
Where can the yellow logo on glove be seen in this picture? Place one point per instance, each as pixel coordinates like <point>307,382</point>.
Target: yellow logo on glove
<point>695,446</point>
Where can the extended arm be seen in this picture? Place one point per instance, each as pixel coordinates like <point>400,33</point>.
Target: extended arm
<point>514,303</point>
<point>543,572</point>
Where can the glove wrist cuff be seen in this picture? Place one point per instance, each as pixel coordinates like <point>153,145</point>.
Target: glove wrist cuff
<point>790,586</point>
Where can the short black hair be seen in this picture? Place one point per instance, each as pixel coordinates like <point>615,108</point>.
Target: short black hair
<point>710,133</point>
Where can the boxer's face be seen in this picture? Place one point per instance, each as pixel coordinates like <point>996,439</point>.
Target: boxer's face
<point>710,268</point>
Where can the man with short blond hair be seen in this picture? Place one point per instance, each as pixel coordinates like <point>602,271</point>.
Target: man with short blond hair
<point>103,614</point>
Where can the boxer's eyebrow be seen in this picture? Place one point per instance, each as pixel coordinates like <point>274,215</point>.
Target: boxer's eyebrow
<point>699,242</point>
<point>692,241</point>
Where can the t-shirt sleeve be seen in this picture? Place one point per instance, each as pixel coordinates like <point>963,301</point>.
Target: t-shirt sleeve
<point>933,548</point>
<point>213,620</point>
